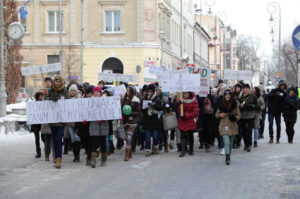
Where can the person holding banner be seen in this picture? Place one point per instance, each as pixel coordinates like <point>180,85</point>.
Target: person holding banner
<point>152,119</point>
<point>75,139</point>
<point>98,132</point>
<point>229,114</point>
<point>187,121</point>
<point>57,91</point>
<point>131,114</point>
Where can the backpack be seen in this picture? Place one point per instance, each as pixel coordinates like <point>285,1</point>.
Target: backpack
<point>207,106</point>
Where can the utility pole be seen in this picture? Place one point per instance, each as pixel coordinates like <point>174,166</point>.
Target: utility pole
<point>3,95</point>
<point>81,44</point>
<point>60,38</point>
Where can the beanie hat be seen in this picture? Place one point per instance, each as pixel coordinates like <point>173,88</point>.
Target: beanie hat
<point>246,86</point>
<point>73,87</point>
<point>89,89</point>
<point>97,88</point>
<point>292,89</point>
<point>145,88</point>
<point>220,81</point>
<point>151,88</point>
<point>227,92</point>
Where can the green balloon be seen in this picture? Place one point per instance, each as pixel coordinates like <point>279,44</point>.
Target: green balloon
<point>127,110</point>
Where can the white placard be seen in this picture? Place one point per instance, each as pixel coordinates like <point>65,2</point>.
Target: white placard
<point>116,77</point>
<point>146,104</point>
<point>159,70</point>
<point>180,82</point>
<point>238,75</point>
<point>33,70</point>
<point>205,82</point>
<point>74,110</point>
<point>119,91</point>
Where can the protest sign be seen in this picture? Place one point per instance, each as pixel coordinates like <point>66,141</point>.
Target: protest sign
<point>74,110</point>
<point>159,70</point>
<point>33,70</point>
<point>119,91</point>
<point>205,82</point>
<point>180,82</point>
<point>238,75</point>
<point>116,77</point>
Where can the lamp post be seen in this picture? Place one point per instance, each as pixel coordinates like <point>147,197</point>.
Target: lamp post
<point>81,43</point>
<point>60,38</point>
<point>210,3</point>
<point>161,36</point>
<point>272,9</point>
<point>3,95</point>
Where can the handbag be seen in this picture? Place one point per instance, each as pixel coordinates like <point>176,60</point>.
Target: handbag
<point>170,121</point>
<point>120,132</point>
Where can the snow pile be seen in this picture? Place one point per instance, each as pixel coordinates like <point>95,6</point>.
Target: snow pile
<point>13,118</point>
<point>13,137</point>
<point>11,107</point>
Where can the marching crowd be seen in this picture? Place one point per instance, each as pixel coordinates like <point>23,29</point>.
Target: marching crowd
<point>152,119</point>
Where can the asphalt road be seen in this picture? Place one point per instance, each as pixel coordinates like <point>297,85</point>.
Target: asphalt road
<point>270,171</point>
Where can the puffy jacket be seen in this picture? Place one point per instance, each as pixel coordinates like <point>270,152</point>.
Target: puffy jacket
<point>290,108</point>
<point>276,100</point>
<point>251,105</point>
<point>190,109</point>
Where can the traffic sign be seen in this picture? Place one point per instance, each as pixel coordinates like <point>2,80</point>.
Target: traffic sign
<point>296,37</point>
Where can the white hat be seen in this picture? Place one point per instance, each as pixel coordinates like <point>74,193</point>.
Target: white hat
<point>73,87</point>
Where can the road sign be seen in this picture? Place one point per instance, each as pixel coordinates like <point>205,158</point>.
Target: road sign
<point>296,37</point>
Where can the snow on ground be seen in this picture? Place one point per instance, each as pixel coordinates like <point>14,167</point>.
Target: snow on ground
<point>12,137</point>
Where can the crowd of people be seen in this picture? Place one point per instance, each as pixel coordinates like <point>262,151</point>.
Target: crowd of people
<point>228,115</point>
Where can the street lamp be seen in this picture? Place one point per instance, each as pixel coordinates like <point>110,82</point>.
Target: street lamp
<point>162,37</point>
<point>3,95</point>
<point>274,8</point>
<point>210,3</point>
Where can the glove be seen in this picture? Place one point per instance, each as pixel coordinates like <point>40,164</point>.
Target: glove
<point>182,117</point>
<point>84,122</point>
<point>232,118</point>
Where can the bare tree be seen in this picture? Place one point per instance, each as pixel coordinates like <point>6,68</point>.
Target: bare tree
<point>71,60</point>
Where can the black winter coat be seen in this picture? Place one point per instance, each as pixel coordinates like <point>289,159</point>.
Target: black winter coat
<point>153,121</point>
<point>290,108</point>
<point>275,101</point>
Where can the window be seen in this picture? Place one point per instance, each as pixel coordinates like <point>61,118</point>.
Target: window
<point>112,21</point>
<point>54,21</point>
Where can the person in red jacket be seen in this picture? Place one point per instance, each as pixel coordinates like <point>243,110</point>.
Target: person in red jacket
<point>187,122</point>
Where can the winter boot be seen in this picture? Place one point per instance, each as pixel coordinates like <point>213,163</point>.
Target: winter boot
<point>255,145</point>
<point>277,141</point>
<point>207,148</point>
<point>171,145</point>
<point>248,148</point>
<point>47,153</point>
<point>148,153</point>
<point>179,147</point>
<point>103,159</point>
<point>93,159</point>
<point>58,163</point>
<point>88,162</point>
<point>160,147</point>
<point>76,151</point>
<point>166,148</point>
<point>227,159</point>
<point>271,141</point>
<point>182,153</point>
<point>126,158</point>
<point>53,156</point>
<point>38,153</point>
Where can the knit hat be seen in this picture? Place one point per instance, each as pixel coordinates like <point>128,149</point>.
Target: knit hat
<point>151,88</point>
<point>97,88</point>
<point>145,88</point>
<point>292,89</point>
<point>220,81</point>
<point>246,86</point>
<point>227,92</point>
<point>89,89</point>
<point>73,87</point>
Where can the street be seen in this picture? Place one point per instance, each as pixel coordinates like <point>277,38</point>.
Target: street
<point>269,171</point>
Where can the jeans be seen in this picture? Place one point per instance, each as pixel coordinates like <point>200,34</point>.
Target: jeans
<point>262,124</point>
<point>163,137</point>
<point>247,127</point>
<point>47,143</point>
<point>73,135</point>
<point>256,132</point>
<point>149,134</point>
<point>278,127</point>
<point>57,133</point>
<point>228,141</point>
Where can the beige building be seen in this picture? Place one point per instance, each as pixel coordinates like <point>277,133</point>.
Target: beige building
<point>119,36</point>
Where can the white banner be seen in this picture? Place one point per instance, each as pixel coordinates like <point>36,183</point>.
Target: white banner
<point>116,77</point>
<point>238,75</point>
<point>180,82</point>
<point>74,110</point>
<point>205,82</point>
<point>159,70</point>
<point>33,70</point>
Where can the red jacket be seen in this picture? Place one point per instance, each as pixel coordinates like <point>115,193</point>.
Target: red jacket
<point>190,108</point>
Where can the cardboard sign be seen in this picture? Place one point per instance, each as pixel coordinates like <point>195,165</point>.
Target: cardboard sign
<point>74,110</point>
<point>33,70</point>
<point>116,77</point>
<point>205,82</point>
<point>180,82</point>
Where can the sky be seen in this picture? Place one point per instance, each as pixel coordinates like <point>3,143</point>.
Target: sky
<point>250,17</point>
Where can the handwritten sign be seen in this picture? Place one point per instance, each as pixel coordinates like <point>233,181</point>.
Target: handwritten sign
<point>116,77</point>
<point>238,75</point>
<point>33,70</point>
<point>205,82</point>
<point>74,110</point>
<point>180,82</point>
